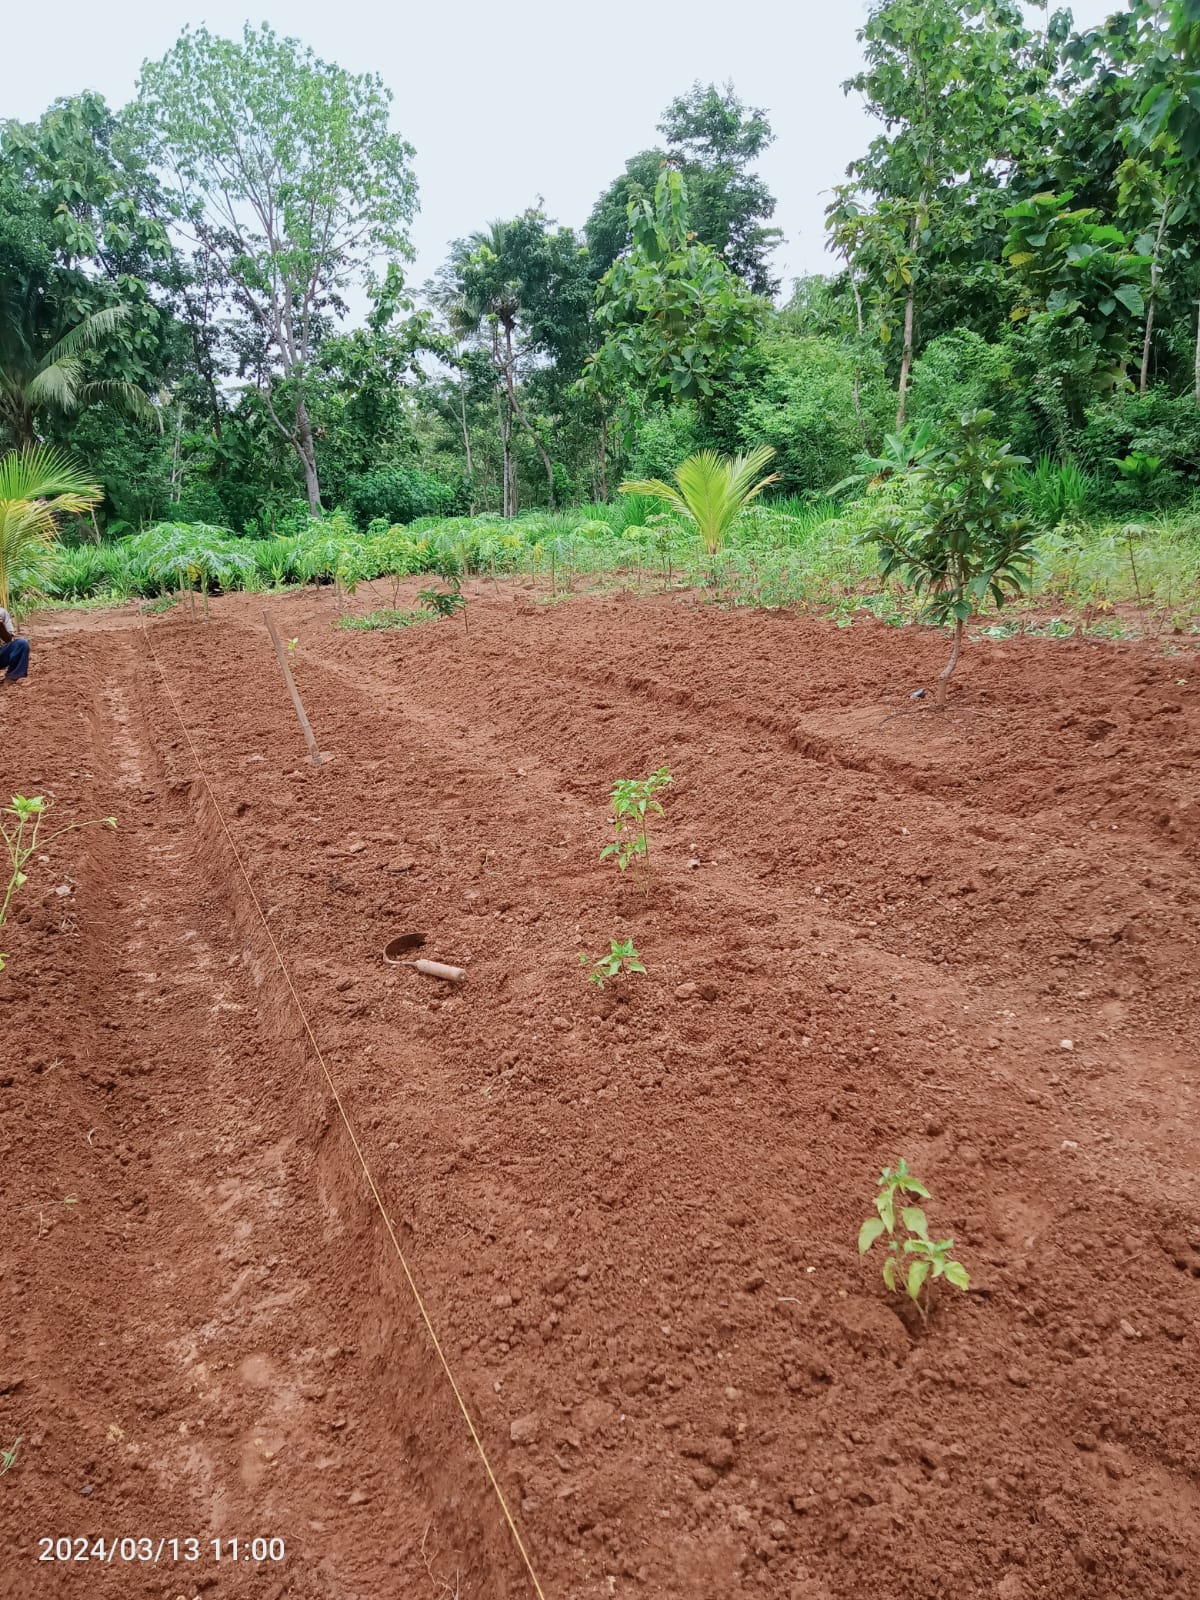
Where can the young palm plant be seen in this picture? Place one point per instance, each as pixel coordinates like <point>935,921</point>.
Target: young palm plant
<point>37,486</point>
<point>711,491</point>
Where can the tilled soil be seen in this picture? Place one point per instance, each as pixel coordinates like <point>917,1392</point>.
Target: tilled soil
<point>970,940</point>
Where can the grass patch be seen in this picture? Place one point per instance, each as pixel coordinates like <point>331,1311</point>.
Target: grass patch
<point>377,621</point>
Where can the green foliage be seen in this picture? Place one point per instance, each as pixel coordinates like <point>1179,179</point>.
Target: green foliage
<point>915,445</point>
<point>712,139</point>
<point>914,1261</point>
<point>285,169</point>
<point>399,495</point>
<point>621,957</point>
<point>960,372</point>
<point>1053,492</point>
<point>1155,424</point>
<point>633,800</point>
<point>386,620</point>
<point>673,318</point>
<point>38,485</point>
<point>814,401</point>
<point>21,830</point>
<point>961,543</point>
<point>1077,273</point>
<point>8,1457</point>
<point>711,491</point>
<point>443,602</point>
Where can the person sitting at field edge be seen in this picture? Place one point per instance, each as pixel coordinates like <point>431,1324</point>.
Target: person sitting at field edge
<point>14,652</point>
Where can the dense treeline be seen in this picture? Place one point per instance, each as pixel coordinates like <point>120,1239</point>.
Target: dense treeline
<point>202,294</point>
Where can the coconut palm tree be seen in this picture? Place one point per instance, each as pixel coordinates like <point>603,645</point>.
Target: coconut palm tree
<point>55,380</point>
<point>37,486</point>
<point>712,491</point>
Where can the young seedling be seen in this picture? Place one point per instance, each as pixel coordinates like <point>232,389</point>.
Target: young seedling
<point>633,800</point>
<point>20,828</point>
<point>291,646</point>
<point>620,958</point>
<point>8,1458</point>
<point>927,1259</point>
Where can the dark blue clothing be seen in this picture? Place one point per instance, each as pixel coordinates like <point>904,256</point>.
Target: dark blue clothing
<point>15,657</point>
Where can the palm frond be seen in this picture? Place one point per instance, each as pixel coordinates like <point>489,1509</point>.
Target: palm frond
<point>125,395</point>
<point>656,489</point>
<point>86,335</point>
<point>43,471</point>
<point>55,385</point>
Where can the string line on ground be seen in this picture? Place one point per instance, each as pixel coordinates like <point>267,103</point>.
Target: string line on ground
<point>349,1126</point>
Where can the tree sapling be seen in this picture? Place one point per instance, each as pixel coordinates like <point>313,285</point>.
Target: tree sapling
<point>961,542</point>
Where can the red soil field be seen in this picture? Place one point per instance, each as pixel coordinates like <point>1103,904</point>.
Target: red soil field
<point>971,940</point>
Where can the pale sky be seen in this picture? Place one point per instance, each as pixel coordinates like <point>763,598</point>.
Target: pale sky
<point>509,100</point>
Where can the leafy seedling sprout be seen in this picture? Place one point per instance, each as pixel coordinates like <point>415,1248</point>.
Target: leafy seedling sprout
<point>909,1245</point>
<point>446,602</point>
<point>8,1458</point>
<point>633,800</point>
<point>20,828</point>
<point>621,957</point>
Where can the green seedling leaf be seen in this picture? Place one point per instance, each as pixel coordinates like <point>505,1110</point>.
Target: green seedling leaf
<point>917,1274</point>
<point>872,1229</point>
<point>957,1274</point>
<point>927,1259</point>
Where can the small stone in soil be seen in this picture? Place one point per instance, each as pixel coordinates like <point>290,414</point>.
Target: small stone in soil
<point>525,1430</point>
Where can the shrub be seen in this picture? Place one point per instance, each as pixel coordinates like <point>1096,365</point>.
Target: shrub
<point>400,495</point>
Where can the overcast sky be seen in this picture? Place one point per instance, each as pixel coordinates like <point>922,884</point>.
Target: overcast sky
<point>509,100</point>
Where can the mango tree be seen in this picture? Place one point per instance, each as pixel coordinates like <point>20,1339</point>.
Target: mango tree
<point>959,544</point>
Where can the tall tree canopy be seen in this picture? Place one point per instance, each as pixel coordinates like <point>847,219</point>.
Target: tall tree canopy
<point>713,140</point>
<point>288,175</point>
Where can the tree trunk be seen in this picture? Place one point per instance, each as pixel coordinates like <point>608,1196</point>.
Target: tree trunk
<point>604,459</point>
<point>462,401</point>
<point>858,308</point>
<point>515,409</point>
<point>947,671</point>
<point>176,470</point>
<point>1198,357</point>
<point>1154,271</point>
<point>306,450</point>
<point>906,359</point>
<point>504,412</point>
<point>538,445</point>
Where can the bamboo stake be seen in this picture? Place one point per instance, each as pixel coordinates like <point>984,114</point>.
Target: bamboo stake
<point>314,755</point>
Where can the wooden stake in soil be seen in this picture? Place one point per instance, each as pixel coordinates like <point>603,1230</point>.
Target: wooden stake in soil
<point>314,755</point>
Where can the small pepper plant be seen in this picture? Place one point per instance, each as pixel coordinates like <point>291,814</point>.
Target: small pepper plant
<point>621,957</point>
<point>909,1243</point>
<point>633,800</point>
<point>21,830</point>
